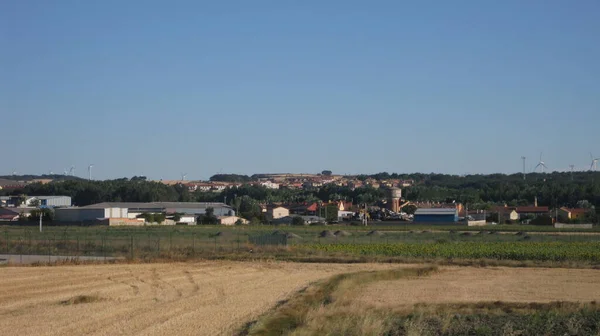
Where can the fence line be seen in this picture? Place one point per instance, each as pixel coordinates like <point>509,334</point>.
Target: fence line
<point>153,243</point>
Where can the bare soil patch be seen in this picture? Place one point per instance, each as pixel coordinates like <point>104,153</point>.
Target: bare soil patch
<point>469,284</point>
<point>206,298</point>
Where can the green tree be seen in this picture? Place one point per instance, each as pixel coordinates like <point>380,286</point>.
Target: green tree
<point>18,201</point>
<point>34,203</point>
<point>297,220</point>
<point>409,209</point>
<point>584,204</point>
<point>159,218</point>
<point>147,216</point>
<point>237,202</point>
<point>330,213</point>
<point>326,172</point>
<point>209,216</point>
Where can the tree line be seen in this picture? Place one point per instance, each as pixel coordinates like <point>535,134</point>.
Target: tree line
<point>556,189</point>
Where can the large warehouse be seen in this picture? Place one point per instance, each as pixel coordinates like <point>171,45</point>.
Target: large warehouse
<point>79,214</point>
<point>43,201</point>
<point>129,210</point>
<point>436,215</point>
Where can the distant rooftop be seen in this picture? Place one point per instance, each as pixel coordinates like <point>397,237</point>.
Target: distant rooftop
<point>5,198</point>
<point>157,205</point>
<point>436,211</point>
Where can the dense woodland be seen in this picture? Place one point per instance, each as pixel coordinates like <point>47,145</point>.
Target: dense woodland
<point>563,189</point>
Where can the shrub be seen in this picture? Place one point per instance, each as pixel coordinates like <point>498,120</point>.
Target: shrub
<point>297,220</point>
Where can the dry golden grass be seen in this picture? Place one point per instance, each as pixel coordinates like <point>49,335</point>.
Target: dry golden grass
<point>344,304</point>
<point>469,285</point>
<point>322,309</point>
<point>206,298</point>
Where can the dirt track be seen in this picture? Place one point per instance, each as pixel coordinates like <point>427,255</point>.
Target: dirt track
<point>468,284</point>
<point>208,298</point>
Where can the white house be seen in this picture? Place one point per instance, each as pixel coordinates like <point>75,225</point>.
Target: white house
<point>231,220</point>
<point>193,186</point>
<point>270,185</point>
<point>277,212</point>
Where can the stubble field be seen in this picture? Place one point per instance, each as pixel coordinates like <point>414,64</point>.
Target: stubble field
<point>220,297</point>
<point>472,285</point>
<point>207,298</point>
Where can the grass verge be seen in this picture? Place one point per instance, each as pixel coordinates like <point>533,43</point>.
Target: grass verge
<point>304,255</point>
<point>292,314</point>
<point>486,318</point>
<point>327,308</point>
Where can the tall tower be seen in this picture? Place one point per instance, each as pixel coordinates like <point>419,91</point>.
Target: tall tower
<point>394,196</point>
<point>572,167</point>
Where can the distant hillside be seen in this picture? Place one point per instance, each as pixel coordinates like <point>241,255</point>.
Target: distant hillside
<point>26,178</point>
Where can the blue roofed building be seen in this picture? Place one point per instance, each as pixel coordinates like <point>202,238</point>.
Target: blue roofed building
<point>436,215</point>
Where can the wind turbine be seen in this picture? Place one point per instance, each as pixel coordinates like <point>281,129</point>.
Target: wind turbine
<point>572,167</point>
<point>594,164</point>
<point>183,175</point>
<point>90,171</point>
<point>541,164</point>
<point>72,171</point>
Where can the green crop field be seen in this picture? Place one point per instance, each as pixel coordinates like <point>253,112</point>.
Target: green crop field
<point>543,251</point>
<point>198,241</point>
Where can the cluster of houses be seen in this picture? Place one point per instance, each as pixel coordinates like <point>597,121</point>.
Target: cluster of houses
<point>294,181</point>
<point>13,208</point>
<point>10,184</point>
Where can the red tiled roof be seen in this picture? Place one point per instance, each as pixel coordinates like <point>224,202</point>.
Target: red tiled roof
<point>532,209</point>
<point>8,214</point>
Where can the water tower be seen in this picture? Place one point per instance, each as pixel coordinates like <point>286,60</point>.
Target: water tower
<point>394,196</point>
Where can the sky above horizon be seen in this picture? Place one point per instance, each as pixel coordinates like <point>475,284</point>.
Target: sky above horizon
<point>160,88</point>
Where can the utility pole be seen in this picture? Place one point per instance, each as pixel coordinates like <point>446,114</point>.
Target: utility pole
<point>41,214</point>
<point>90,172</point>
<point>556,209</point>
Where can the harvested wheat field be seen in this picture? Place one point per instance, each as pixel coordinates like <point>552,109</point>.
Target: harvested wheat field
<point>469,284</point>
<point>208,298</point>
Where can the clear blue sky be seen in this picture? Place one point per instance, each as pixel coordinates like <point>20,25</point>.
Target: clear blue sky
<point>157,88</point>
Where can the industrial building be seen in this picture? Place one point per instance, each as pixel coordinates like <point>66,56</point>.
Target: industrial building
<point>83,214</point>
<point>288,220</point>
<point>43,201</point>
<point>436,215</point>
<point>130,211</point>
<point>186,208</point>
